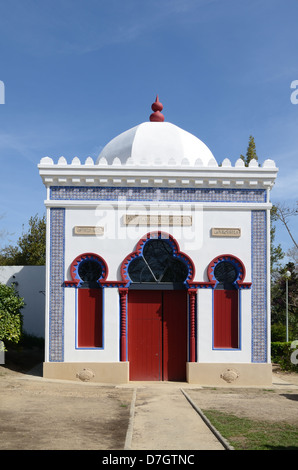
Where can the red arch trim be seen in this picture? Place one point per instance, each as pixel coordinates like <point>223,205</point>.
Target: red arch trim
<point>74,268</point>
<point>158,235</point>
<point>237,262</point>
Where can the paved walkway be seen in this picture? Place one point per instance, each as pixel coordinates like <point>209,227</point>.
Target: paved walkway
<point>162,418</point>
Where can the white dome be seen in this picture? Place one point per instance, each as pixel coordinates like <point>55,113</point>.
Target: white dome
<point>157,143</point>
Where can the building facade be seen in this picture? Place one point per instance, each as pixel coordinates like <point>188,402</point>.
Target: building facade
<point>158,262</point>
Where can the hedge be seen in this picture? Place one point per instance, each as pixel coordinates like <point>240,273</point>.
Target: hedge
<point>285,354</point>
<point>11,319</point>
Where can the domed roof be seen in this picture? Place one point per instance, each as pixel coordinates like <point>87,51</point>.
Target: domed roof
<point>157,143</point>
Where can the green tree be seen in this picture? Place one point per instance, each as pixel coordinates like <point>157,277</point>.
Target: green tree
<point>11,319</point>
<point>282,213</point>
<point>30,249</point>
<point>251,151</point>
<point>278,302</point>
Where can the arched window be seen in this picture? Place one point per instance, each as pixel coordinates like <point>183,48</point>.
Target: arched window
<point>86,271</point>
<point>157,264</point>
<point>225,274</point>
<point>157,260</point>
<point>89,271</point>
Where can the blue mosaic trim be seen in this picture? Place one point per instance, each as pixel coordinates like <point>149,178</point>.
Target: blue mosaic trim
<point>82,193</point>
<point>259,286</point>
<point>175,253</point>
<point>56,314</point>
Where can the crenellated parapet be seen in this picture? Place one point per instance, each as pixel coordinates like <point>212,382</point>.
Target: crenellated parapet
<point>173,174</point>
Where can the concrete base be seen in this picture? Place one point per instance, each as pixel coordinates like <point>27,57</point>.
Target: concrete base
<point>106,372</point>
<point>219,374</point>
<point>229,374</point>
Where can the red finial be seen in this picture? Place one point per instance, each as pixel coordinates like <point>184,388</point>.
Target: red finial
<point>157,107</point>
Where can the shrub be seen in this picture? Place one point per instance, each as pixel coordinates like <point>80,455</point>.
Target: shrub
<point>11,319</point>
<point>281,354</point>
<point>278,332</point>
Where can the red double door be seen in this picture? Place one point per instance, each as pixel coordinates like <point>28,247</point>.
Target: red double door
<point>157,335</point>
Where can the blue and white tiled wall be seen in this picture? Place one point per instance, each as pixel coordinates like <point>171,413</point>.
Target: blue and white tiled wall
<point>259,286</point>
<point>56,294</point>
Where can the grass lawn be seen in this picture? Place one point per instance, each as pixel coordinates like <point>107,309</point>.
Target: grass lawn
<point>247,434</point>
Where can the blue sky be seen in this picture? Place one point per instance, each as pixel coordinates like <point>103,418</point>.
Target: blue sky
<point>76,74</point>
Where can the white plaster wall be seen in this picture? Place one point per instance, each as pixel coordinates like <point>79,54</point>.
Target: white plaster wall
<point>118,241</point>
<point>195,241</point>
<point>206,247</point>
<point>210,248</point>
<point>30,284</point>
<point>110,351</point>
<point>205,351</point>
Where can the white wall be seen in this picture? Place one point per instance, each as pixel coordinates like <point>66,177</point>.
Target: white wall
<point>30,284</point>
<point>110,350</point>
<point>205,351</point>
<point>196,241</point>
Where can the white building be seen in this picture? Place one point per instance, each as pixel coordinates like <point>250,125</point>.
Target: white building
<point>29,282</point>
<point>158,262</point>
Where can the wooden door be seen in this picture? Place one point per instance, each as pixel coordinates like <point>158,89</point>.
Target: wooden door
<point>89,318</point>
<point>145,335</point>
<point>226,320</point>
<point>157,335</point>
<point>174,335</point>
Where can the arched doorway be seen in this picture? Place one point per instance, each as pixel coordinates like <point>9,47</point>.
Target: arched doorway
<point>87,271</point>
<point>227,274</point>
<point>157,309</point>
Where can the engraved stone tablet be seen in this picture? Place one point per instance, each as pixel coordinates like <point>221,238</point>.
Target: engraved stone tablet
<point>152,219</point>
<point>226,232</point>
<point>88,230</point>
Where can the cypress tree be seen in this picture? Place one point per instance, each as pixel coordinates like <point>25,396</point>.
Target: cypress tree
<point>251,151</point>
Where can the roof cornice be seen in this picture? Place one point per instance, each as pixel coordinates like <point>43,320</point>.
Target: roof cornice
<point>129,175</point>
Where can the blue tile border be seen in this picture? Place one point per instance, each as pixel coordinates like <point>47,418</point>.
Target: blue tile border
<point>56,304</point>
<point>259,286</point>
<point>92,193</point>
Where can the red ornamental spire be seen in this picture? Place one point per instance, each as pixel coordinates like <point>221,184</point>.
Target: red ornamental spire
<point>157,107</point>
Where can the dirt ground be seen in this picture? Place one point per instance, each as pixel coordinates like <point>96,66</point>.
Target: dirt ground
<point>39,414</point>
<point>36,414</point>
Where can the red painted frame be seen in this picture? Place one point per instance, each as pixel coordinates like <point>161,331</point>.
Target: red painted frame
<point>240,284</point>
<point>74,268</point>
<point>176,252</point>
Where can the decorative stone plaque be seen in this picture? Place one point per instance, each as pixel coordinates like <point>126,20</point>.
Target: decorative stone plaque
<point>169,220</point>
<point>88,230</point>
<point>226,232</point>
